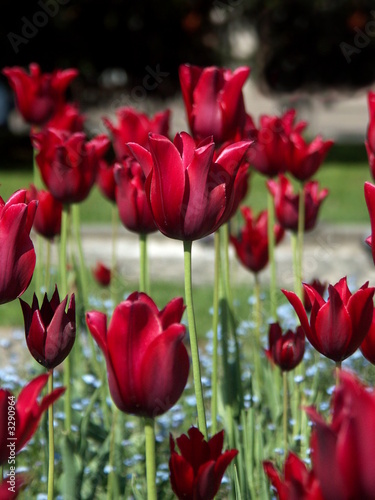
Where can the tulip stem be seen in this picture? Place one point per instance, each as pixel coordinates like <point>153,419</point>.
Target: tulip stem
<point>82,263</point>
<point>112,489</point>
<point>194,340</point>
<point>51,443</point>
<point>295,254</point>
<point>285,412</point>
<point>114,252</point>
<point>257,346</point>
<point>271,254</point>
<point>143,268</point>
<point>63,290</point>
<point>215,327</point>
<point>301,229</point>
<point>150,458</point>
<point>337,373</point>
<point>48,266</point>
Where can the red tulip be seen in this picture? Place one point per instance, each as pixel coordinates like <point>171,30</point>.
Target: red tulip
<point>370,202</point>
<point>368,345</point>
<point>370,137</point>
<point>67,118</point>
<point>337,327</point>
<point>17,254</point>
<point>50,330</point>
<point>271,152</point>
<point>286,202</point>
<point>28,412</point>
<point>306,158</point>
<point>134,126</point>
<point>102,274</point>
<point>190,195</point>
<point>105,180</point>
<point>47,221</point>
<point>197,472</point>
<point>147,362</point>
<point>39,95</point>
<point>287,350</point>
<point>131,199</point>
<point>297,483</point>
<point>68,164</point>
<point>213,101</point>
<point>319,286</point>
<point>343,450</point>
<point>252,244</point>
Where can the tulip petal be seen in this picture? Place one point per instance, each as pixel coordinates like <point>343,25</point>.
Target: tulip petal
<point>300,310</point>
<point>216,445</point>
<point>206,485</point>
<point>172,312</point>
<point>370,202</point>
<point>209,120</point>
<point>182,476</point>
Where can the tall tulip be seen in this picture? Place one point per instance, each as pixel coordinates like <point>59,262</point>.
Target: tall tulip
<point>47,221</point>
<point>50,329</point>
<point>287,203</point>
<point>214,101</point>
<point>197,472</point>
<point>285,350</point>
<point>252,243</point>
<point>17,254</point>
<point>28,412</point>
<point>68,164</point>
<point>134,126</point>
<point>337,327</point>
<point>306,158</point>
<point>343,450</point>
<point>147,362</point>
<point>190,195</point>
<point>39,95</point>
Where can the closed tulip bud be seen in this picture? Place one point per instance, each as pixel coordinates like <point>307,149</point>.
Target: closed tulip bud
<point>337,326</point>
<point>147,362</point>
<point>28,412</point>
<point>39,95</point>
<point>50,330</point>
<point>285,350</point>
<point>214,102</point>
<point>102,274</point>
<point>17,254</point>
<point>197,472</point>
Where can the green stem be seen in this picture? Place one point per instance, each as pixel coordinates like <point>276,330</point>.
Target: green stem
<point>294,243</point>
<point>114,252</point>
<point>285,412</point>
<point>194,340</point>
<point>143,265</point>
<point>48,266</point>
<point>271,254</point>
<point>337,373</point>
<point>257,346</point>
<point>51,443</point>
<point>112,476</point>
<point>82,262</point>
<point>63,292</point>
<point>301,232</point>
<point>215,327</point>
<point>150,458</point>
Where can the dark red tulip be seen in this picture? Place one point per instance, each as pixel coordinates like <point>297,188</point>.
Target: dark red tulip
<point>370,137</point>
<point>47,221</point>
<point>28,412</point>
<point>147,362</point>
<point>197,472</point>
<point>17,254</point>
<point>39,95</point>
<point>319,286</point>
<point>306,158</point>
<point>368,345</point>
<point>131,199</point>
<point>252,243</point>
<point>286,202</point>
<point>134,126</point>
<point>214,102</point>
<point>68,163</point>
<point>297,481</point>
<point>285,350</point>
<point>270,153</point>
<point>102,274</point>
<point>370,202</point>
<point>337,327</point>
<point>50,330</point>
<point>67,118</point>
<point>343,450</point>
<point>190,195</point>
<point>105,180</point>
